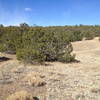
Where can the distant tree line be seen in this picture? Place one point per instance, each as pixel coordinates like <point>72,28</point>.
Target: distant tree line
<point>38,44</point>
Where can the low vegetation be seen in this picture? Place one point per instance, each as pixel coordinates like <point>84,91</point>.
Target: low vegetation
<point>40,44</point>
<point>21,95</point>
<point>35,80</point>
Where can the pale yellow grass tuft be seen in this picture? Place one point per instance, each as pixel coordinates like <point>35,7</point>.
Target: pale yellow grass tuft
<point>21,95</point>
<point>34,79</point>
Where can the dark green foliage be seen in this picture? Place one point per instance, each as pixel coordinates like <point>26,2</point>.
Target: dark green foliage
<point>8,39</point>
<point>89,35</point>
<point>39,44</point>
<point>78,36</point>
<point>2,31</point>
<point>75,36</point>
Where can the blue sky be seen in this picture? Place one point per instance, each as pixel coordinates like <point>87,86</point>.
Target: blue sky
<point>50,12</point>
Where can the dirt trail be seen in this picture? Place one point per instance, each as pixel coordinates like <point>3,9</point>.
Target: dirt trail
<point>74,81</point>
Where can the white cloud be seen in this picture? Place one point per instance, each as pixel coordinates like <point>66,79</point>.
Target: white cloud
<point>28,9</point>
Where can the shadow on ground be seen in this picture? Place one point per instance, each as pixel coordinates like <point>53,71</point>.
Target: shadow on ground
<point>4,59</point>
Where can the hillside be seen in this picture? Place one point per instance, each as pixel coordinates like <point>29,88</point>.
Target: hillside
<point>73,81</point>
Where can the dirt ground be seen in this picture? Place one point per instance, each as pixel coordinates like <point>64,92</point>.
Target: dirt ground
<point>73,81</point>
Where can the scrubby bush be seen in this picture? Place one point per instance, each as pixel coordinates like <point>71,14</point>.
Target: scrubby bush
<point>99,38</point>
<point>75,36</point>
<point>8,39</point>
<point>89,35</point>
<point>1,39</point>
<point>41,45</point>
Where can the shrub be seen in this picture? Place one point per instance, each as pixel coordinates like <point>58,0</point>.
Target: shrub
<point>41,45</point>
<point>75,35</point>
<point>1,39</point>
<point>8,39</point>
<point>88,35</point>
<point>38,44</point>
<point>99,38</point>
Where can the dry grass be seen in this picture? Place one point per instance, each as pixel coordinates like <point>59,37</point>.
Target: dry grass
<point>35,79</point>
<point>95,89</point>
<point>21,95</point>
